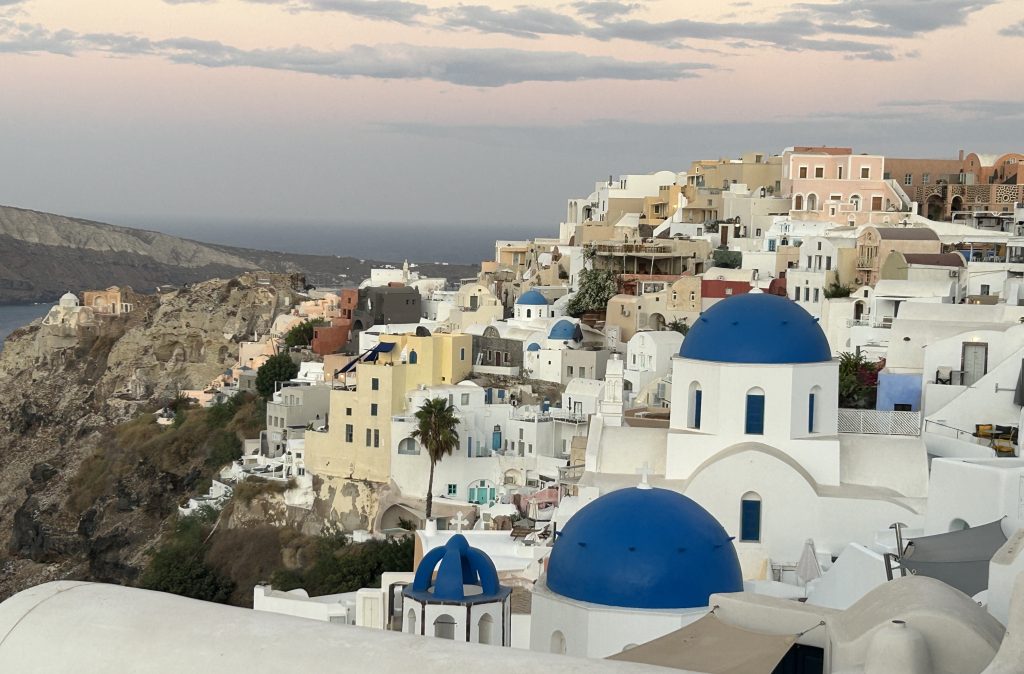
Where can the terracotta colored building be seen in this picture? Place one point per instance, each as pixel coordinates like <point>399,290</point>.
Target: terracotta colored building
<point>971,182</point>
<point>329,339</point>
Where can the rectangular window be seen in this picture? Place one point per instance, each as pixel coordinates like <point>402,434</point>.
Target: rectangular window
<point>373,409</point>
<point>376,438</point>
<point>807,294</point>
<point>876,203</point>
<point>985,289</point>
<point>728,291</point>
<point>755,414</point>
<point>819,171</point>
<point>696,408</point>
<point>810,413</point>
<point>375,384</point>
<point>815,294</point>
<point>926,178</point>
<point>369,437</point>
<point>348,432</point>
<point>569,369</point>
<point>908,179</point>
<point>803,171</point>
<point>839,172</point>
<point>865,172</point>
<point>452,489</point>
<point>465,399</point>
<point>828,263</point>
<point>462,354</point>
<point>750,520</point>
<point>348,411</point>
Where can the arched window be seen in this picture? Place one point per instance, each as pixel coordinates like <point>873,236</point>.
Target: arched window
<point>755,412</point>
<point>750,517</point>
<point>444,626</point>
<point>408,446</point>
<point>959,525</point>
<point>798,202</point>
<point>486,629</point>
<point>410,622</point>
<point>558,642</point>
<point>413,358</point>
<point>855,202</point>
<point>813,401</point>
<point>529,313</point>
<point>695,405</point>
<point>812,202</point>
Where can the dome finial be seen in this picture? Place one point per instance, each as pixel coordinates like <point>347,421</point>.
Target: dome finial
<point>644,484</point>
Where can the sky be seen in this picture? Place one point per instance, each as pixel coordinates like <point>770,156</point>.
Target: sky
<point>206,117</point>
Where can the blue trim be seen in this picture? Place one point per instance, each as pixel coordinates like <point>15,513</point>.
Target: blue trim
<point>696,407</point>
<point>458,565</point>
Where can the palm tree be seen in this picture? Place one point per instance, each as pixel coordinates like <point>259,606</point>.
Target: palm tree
<point>436,431</point>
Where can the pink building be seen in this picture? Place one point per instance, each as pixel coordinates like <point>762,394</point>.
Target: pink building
<point>844,188</point>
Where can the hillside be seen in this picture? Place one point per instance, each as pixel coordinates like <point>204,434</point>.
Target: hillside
<point>43,256</point>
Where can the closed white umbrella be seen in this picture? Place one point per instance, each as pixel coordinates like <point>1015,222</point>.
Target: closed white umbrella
<point>807,569</point>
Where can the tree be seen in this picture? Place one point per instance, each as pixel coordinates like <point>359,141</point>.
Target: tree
<point>682,327</point>
<point>436,430</point>
<point>597,287</point>
<point>858,381</point>
<point>277,368</point>
<point>836,289</point>
<point>728,259</point>
<point>180,567</point>
<point>302,334</point>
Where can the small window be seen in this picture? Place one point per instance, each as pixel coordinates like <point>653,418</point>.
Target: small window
<point>754,423</point>
<point>819,171</point>
<point>369,438</point>
<point>865,172</point>
<point>985,289</point>
<point>750,518</point>
<point>728,291</point>
<point>926,178</point>
<point>803,171</point>
<point>465,399</point>
<point>569,369</point>
<point>348,411</point>
<point>413,358</point>
<point>348,432</point>
<point>815,294</point>
<point>375,384</point>
<point>462,354</point>
<point>376,438</point>
<point>373,409</point>
<point>828,263</point>
<point>908,179</point>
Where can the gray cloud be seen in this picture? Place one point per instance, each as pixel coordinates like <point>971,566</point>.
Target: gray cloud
<point>522,21</point>
<point>468,67</point>
<point>1014,30</point>
<point>879,18</point>
<point>602,10</point>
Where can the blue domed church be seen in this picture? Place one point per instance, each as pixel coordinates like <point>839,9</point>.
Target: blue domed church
<point>753,437</point>
<point>630,566</point>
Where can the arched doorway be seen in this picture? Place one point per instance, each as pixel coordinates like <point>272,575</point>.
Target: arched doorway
<point>444,627</point>
<point>656,322</point>
<point>486,629</point>
<point>558,642</point>
<point>858,310</point>
<point>957,204</point>
<point>935,207</point>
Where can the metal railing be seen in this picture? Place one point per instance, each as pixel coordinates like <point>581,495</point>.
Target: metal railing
<point>875,422</point>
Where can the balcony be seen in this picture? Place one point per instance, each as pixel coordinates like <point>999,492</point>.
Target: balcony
<point>571,474</point>
<point>866,262</point>
<point>874,422</point>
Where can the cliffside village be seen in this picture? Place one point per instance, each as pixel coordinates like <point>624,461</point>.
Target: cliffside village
<point>684,462</point>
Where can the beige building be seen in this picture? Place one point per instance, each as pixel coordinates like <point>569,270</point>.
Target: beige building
<point>708,179</point>
<point>110,302</point>
<point>629,314</point>
<point>875,243</point>
<point>357,440</point>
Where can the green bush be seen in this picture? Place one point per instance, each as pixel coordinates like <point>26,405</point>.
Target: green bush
<point>225,447</point>
<point>277,368</point>
<point>345,567</point>
<point>179,565</point>
<point>302,334</point>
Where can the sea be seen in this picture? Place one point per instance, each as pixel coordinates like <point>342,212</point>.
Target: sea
<point>14,316</point>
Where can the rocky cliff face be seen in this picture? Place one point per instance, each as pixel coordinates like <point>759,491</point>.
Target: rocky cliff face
<point>43,256</point>
<point>62,396</point>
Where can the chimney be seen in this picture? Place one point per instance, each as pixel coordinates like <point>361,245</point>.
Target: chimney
<point>961,155</point>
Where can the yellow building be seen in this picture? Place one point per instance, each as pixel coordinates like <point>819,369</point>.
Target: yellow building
<point>356,443</point>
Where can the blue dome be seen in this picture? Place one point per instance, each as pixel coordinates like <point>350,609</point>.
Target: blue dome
<point>566,331</point>
<point>643,548</point>
<point>532,297</point>
<point>458,566</point>
<point>756,328</point>
<point>534,346</point>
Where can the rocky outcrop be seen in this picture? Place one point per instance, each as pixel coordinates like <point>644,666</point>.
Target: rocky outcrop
<point>58,408</point>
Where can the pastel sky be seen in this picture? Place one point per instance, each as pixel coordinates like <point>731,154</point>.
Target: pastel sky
<point>429,111</point>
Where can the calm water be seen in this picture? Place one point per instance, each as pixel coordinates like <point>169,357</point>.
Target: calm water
<point>18,315</point>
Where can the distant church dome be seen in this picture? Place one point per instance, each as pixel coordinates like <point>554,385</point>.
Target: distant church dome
<point>464,574</point>
<point>756,328</point>
<point>566,330</point>
<point>68,300</point>
<point>532,298</point>
<point>643,548</point>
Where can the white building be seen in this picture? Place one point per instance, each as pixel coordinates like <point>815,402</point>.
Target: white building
<point>649,356</point>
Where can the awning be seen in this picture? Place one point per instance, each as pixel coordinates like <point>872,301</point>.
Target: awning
<point>374,353</point>
<point>712,646</point>
<point>959,558</point>
<point>1018,392</point>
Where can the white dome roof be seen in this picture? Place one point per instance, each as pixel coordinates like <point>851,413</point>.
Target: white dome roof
<point>69,300</point>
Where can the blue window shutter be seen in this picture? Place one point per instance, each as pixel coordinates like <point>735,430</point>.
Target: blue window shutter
<point>696,408</point>
<point>810,413</point>
<point>750,520</point>
<point>755,414</point>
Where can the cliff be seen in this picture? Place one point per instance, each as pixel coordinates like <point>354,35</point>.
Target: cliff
<point>80,500</point>
<point>43,256</point>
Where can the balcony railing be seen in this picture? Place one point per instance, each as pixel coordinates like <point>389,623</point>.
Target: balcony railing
<point>571,474</point>
<point>865,263</point>
<point>875,422</point>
